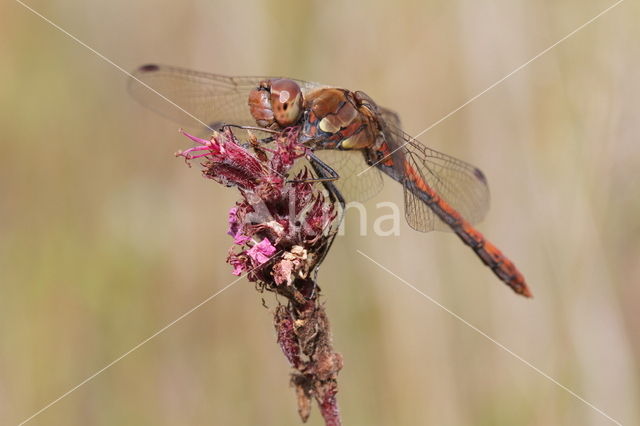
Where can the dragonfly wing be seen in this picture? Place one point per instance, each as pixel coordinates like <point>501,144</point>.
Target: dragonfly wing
<point>460,184</point>
<point>348,165</point>
<point>391,118</point>
<point>197,99</point>
<point>418,215</point>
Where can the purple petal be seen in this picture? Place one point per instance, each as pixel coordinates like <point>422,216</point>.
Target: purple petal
<point>240,239</point>
<point>262,251</point>
<point>239,267</point>
<point>233,222</point>
<point>196,139</point>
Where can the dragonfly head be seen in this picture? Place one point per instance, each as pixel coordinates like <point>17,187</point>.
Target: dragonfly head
<point>276,103</point>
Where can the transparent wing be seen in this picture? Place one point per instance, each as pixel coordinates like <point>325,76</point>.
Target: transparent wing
<point>197,99</point>
<point>462,185</point>
<point>391,118</point>
<point>348,164</point>
<point>422,217</point>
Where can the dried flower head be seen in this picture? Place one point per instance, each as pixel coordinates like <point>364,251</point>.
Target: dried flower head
<point>282,228</point>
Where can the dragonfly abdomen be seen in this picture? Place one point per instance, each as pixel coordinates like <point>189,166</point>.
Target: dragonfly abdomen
<point>493,258</point>
<point>486,251</point>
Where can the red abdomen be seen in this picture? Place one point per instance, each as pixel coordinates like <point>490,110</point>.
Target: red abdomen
<point>486,251</point>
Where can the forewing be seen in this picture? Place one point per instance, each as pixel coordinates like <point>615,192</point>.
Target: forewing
<point>197,99</point>
<point>460,184</point>
<point>349,164</point>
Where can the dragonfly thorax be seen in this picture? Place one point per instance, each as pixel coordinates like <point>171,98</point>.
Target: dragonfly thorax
<point>337,119</point>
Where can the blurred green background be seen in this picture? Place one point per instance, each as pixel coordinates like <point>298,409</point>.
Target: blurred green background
<point>105,237</point>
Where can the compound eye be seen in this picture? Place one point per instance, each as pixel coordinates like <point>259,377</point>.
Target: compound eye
<point>286,102</point>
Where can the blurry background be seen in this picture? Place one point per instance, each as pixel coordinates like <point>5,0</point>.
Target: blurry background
<point>105,237</point>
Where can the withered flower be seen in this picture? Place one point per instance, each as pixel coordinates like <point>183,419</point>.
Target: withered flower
<point>282,228</point>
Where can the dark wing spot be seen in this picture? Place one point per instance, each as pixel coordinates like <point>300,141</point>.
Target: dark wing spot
<point>480,175</point>
<point>149,68</point>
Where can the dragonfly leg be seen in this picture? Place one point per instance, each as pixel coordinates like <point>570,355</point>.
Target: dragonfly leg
<point>227,127</point>
<point>257,129</point>
<point>326,176</point>
<point>324,172</point>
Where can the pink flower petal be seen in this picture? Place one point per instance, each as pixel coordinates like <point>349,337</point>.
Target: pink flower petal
<point>239,266</point>
<point>234,228</point>
<point>233,222</point>
<point>240,239</point>
<point>196,139</point>
<point>262,251</point>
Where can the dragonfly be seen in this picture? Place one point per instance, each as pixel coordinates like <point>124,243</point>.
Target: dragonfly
<point>349,134</point>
